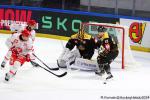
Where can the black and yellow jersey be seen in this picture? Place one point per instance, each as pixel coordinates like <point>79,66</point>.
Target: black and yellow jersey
<point>86,45</point>
<point>107,39</point>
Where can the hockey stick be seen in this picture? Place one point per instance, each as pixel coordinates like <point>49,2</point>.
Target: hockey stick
<point>45,64</point>
<point>36,64</point>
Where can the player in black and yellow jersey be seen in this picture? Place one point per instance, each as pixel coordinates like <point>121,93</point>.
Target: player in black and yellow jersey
<point>85,46</point>
<point>108,51</point>
<point>84,42</point>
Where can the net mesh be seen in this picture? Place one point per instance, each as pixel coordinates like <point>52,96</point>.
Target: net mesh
<point>120,35</point>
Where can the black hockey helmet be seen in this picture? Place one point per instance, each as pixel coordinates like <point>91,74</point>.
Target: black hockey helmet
<point>101,29</point>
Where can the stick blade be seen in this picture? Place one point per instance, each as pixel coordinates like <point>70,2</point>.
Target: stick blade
<point>65,73</point>
<point>54,68</point>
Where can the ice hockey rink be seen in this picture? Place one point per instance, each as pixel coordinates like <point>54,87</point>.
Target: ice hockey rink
<point>32,83</point>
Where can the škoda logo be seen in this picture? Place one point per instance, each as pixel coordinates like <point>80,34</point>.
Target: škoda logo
<point>136,31</point>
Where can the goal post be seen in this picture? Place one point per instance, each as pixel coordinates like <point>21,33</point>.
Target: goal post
<point>120,34</point>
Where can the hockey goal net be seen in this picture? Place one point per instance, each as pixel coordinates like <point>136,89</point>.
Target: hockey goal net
<point>121,37</point>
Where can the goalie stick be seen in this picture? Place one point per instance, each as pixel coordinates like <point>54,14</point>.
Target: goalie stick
<point>37,65</point>
<point>45,64</point>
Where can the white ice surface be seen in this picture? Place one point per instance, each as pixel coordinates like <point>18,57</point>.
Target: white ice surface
<point>37,84</point>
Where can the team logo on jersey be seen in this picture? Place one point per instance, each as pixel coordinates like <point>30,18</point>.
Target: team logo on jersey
<point>136,32</point>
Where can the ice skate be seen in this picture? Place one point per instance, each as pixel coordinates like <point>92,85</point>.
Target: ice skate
<point>110,76</point>
<point>101,73</point>
<point>3,64</point>
<point>7,77</point>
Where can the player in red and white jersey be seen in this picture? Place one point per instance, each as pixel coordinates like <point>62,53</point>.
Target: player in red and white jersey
<point>30,26</point>
<point>20,47</point>
<point>16,29</point>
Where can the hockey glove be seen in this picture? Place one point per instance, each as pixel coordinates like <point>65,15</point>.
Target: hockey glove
<point>28,58</point>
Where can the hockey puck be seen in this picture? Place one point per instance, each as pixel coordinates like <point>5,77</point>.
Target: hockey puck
<point>104,83</point>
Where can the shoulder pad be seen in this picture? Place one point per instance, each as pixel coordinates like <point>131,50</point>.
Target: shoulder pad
<point>105,35</point>
<point>87,36</point>
<point>74,36</point>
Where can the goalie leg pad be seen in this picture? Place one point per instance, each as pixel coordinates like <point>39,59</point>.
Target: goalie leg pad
<point>70,57</point>
<point>84,64</point>
<point>61,63</point>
